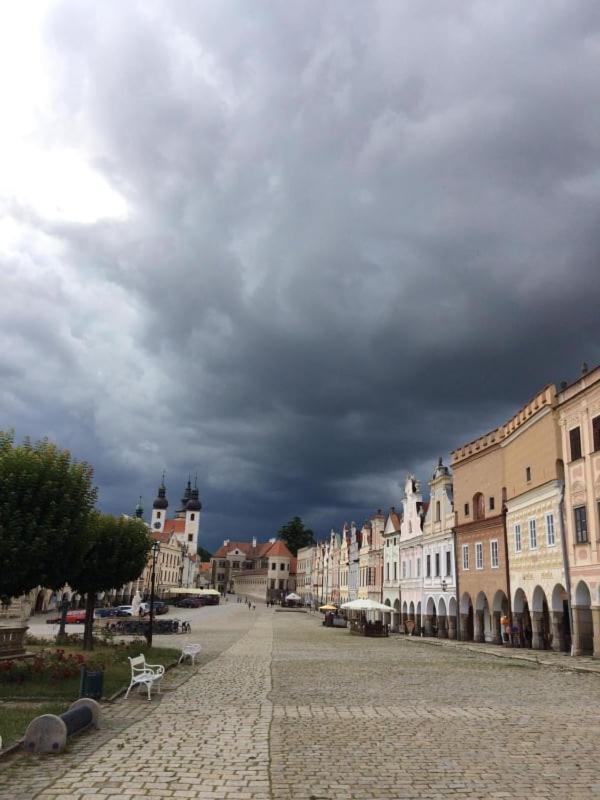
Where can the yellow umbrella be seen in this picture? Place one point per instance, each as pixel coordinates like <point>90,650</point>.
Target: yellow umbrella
<point>328,607</point>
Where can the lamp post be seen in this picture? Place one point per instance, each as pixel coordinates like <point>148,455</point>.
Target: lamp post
<point>155,552</point>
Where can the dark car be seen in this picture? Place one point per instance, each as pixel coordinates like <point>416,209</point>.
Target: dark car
<point>99,613</point>
<point>160,607</point>
<point>189,602</point>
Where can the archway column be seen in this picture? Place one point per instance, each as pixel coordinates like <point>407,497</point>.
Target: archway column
<point>537,630</point>
<point>558,633</point>
<point>582,631</point>
<point>442,631</point>
<point>428,625</point>
<point>451,626</point>
<point>479,626</point>
<point>596,630</point>
<point>497,627</point>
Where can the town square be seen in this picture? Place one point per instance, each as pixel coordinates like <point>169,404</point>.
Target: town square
<point>299,399</point>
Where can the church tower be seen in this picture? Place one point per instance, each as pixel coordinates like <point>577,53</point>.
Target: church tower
<point>159,507</point>
<point>192,519</point>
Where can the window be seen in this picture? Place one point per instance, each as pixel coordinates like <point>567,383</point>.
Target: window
<point>550,538</point>
<point>478,506</point>
<point>192,517</point>
<point>387,572</point>
<point>517,538</point>
<point>596,433</point>
<point>494,553</point>
<point>465,554</point>
<point>418,567</point>
<point>527,474</point>
<point>466,509</point>
<point>581,535</point>
<point>409,526</point>
<point>272,583</point>
<point>575,442</point>
<point>190,537</point>
<point>404,569</point>
<point>437,565</point>
<point>273,566</point>
<point>438,509</point>
<point>395,570</point>
<point>158,515</point>
<point>282,566</point>
<point>428,563</point>
<point>532,534</point>
<point>448,563</point>
<point>478,556</point>
<point>492,503</point>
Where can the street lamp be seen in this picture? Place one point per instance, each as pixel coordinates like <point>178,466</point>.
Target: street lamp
<point>155,552</point>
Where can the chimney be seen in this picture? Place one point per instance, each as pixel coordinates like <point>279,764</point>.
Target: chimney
<point>225,542</point>
<point>272,540</point>
<point>254,541</point>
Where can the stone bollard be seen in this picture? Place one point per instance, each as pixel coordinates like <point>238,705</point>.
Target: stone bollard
<point>48,733</point>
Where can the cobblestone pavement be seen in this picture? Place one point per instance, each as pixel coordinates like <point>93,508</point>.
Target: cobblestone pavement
<point>288,710</point>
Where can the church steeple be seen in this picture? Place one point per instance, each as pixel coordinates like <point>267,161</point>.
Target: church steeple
<point>161,501</point>
<point>139,509</point>
<point>186,496</point>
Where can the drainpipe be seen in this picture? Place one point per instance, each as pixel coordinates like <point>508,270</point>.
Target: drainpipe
<point>565,556</point>
<point>456,586</point>
<point>504,513</point>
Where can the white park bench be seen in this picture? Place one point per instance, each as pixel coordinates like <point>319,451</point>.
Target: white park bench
<point>143,674</point>
<point>190,651</point>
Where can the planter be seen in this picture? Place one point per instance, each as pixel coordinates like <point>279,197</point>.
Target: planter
<point>12,640</point>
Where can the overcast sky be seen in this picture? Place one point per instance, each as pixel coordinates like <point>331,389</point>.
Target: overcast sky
<point>301,248</point>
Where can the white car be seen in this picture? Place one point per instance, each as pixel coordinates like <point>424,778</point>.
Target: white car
<point>124,611</point>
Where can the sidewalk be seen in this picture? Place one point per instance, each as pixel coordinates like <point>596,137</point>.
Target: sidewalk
<point>544,658</point>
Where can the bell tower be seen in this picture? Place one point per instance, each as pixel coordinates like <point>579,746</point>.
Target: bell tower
<point>159,508</point>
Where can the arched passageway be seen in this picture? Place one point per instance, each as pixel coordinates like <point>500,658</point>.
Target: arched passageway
<point>561,622</point>
<point>499,613</point>
<point>522,630</point>
<point>583,628</point>
<point>430,620</point>
<point>540,620</point>
<point>442,617</point>
<point>483,626</point>
<point>419,614</point>
<point>467,622</point>
<point>452,618</point>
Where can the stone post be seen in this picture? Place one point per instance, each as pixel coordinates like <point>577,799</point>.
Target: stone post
<point>479,626</point>
<point>497,627</point>
<point>442,627</point>
<point>451,627</point>
<point>558,634</point>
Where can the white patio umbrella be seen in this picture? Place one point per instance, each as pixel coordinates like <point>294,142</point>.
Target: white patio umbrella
<point>293,596</point>
<point>365,605</point>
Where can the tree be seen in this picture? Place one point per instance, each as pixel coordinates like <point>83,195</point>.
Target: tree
<point>204,554</point>
<point>46,505</point>
<point>295,535</point>
<point>118,554</point>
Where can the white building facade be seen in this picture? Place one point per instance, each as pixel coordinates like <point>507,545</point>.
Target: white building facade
<point>411,553</point>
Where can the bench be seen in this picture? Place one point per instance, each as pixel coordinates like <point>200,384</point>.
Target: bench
<point>190,651</point>
<point>144,674</point>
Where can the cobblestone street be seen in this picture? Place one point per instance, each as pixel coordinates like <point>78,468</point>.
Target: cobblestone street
<point>288,709</point>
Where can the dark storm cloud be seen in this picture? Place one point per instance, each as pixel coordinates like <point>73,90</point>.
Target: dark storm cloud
<point>358,235</point>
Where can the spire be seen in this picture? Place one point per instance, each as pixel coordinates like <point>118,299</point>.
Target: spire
<point>139,509</point>
<point>187,494</point>
<point>161,501</point>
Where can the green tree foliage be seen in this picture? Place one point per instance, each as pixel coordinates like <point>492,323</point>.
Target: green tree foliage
<point>295,535</point>
<point>118,554</point>
<point>204,554</point>
<point>46,505</point>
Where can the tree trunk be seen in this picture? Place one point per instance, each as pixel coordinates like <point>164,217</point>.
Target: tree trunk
<point>88,631</point>
<point>61,636</point>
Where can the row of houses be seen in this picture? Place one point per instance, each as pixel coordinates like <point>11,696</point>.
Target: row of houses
<point>507,544</point>
<point>263,571</point>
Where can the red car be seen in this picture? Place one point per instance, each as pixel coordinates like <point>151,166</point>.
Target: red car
<point>72,618</point>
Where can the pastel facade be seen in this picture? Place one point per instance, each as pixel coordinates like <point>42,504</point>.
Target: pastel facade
<point>353,562</point>
<point>411,553</point>
<point>306,558</point>
<point>391,571</point>
<point>375,559</point>
<point>579,417</point>
<point>439,578</point>
<point>533,477</point>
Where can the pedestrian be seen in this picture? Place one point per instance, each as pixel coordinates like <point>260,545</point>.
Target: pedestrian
<point>253,607</point>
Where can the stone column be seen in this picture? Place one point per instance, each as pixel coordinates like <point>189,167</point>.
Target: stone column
<point>497,627</point>
<point>576,633</point>
<point>442,627</point>
<point>537,627</point>
<point>596,630</point>
<point>558,634</point>
<point>451,627</point>
<point>428,626</point>
<point>479,627</point>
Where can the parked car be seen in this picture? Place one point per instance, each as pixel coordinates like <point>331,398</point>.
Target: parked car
<point>99,613</point>
<point>160,607</point>
<point>72,618</point>
<point>189,602</point>
<point>124,611</point>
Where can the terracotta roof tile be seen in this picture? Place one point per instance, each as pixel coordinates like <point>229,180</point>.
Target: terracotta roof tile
<point>278,548</point>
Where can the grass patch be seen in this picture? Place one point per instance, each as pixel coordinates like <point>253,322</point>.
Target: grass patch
<point>112,658</point>
<point>16,716</point>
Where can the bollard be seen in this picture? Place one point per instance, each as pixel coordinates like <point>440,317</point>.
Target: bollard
<point>48,733</point>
